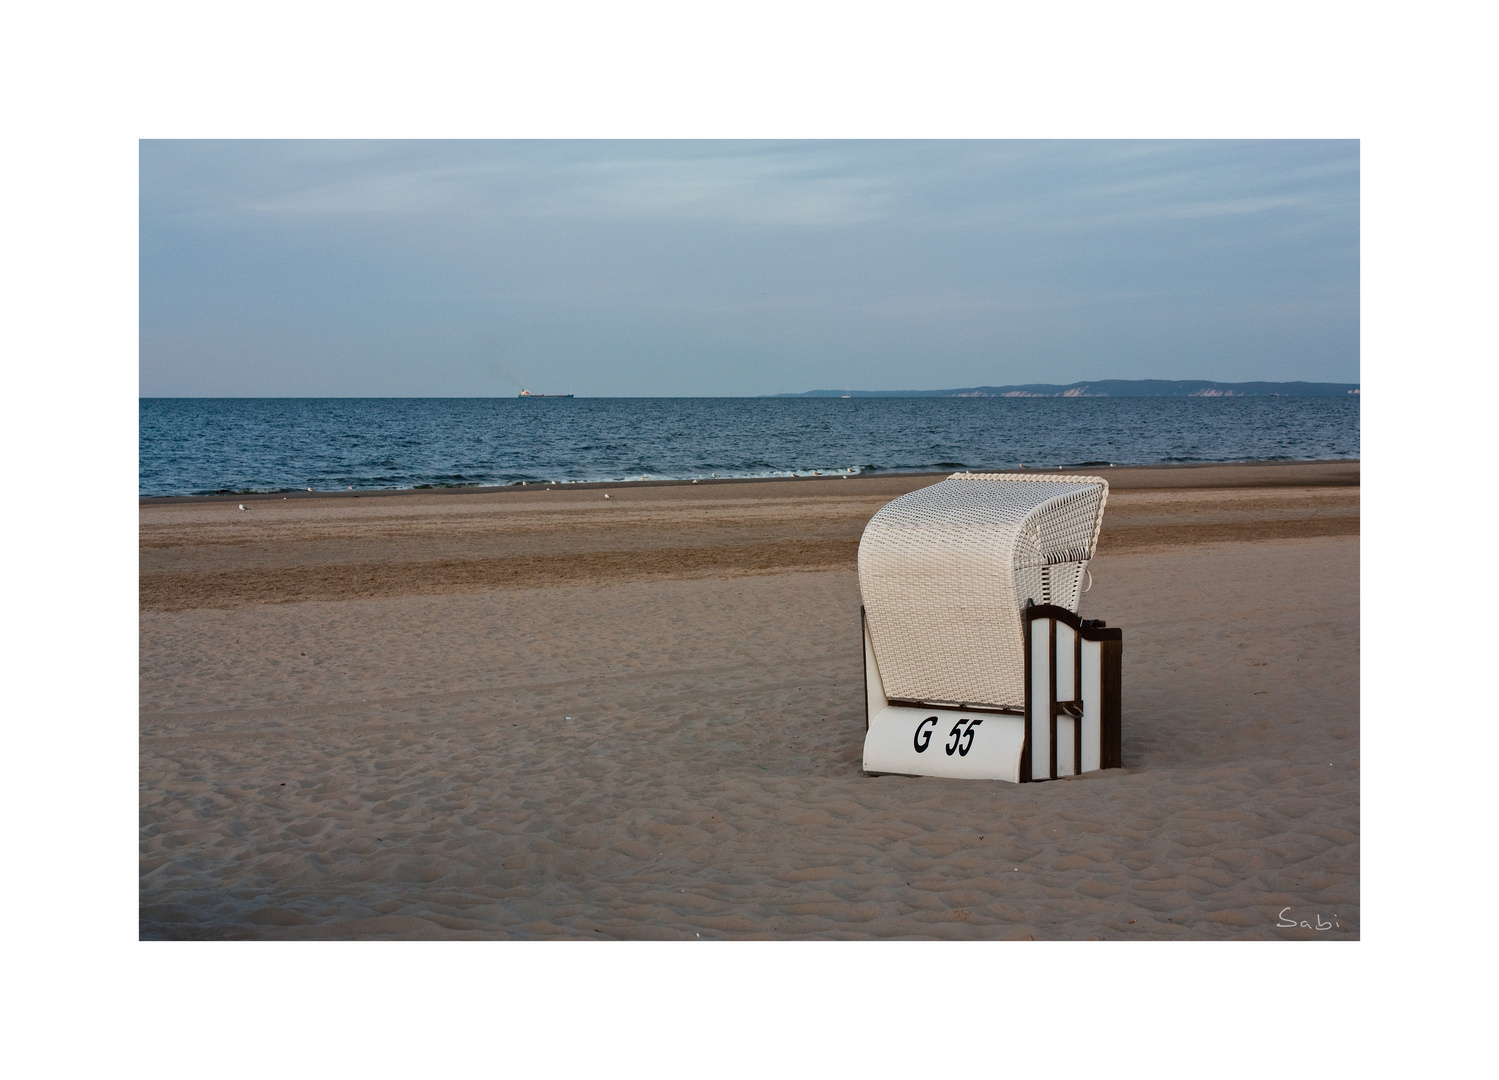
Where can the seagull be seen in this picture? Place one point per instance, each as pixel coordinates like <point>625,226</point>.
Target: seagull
<point>607,495</point>
<point>241,506</point>
<point>309,489</point>
<point>694,481</point>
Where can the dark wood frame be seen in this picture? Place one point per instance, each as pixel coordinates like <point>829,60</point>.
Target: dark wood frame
<point>864,661</point>
<point>951,706</point>
<point>1111,655</point>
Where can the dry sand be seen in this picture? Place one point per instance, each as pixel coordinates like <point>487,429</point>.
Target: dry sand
<point>533,714</point>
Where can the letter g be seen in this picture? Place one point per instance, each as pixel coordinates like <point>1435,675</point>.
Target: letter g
<point>923,737</point>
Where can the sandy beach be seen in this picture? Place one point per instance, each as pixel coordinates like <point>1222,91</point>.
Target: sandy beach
<point>533,713</point>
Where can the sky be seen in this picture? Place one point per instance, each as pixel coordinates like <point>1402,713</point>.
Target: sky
<point>717,268</point>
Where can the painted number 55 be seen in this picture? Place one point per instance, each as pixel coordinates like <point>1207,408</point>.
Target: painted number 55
<point>963,736</point>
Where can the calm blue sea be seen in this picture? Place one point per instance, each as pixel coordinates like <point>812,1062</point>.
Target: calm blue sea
<point>196,446</point>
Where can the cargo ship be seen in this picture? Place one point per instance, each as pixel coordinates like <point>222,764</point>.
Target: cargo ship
<point>527,393</point>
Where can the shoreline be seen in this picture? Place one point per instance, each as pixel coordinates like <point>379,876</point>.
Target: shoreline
<point>207,553</point>
<point>1330,472</point>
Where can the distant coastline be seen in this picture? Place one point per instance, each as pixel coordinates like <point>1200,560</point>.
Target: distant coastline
<point>1116,388</point>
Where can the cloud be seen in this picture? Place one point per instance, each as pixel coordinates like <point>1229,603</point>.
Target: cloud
<point>1035,185</point>
<point>750,184</point>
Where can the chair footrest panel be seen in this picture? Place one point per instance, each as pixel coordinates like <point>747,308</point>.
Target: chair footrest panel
<point>944,742</point>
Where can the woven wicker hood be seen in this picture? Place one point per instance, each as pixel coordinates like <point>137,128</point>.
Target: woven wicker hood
<point>946,571</point>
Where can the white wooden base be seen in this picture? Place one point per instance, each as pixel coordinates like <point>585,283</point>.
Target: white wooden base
<point>944,742</point>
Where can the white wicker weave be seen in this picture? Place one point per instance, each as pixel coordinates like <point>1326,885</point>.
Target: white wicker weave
<point>946,571</point>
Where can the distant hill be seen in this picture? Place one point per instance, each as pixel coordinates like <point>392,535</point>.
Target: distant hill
<point>1117,388</point>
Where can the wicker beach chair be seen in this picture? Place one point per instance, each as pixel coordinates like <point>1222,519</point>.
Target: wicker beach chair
<point>976,662</point>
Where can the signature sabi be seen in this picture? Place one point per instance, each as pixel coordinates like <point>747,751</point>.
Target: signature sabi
<point>1286,923</point>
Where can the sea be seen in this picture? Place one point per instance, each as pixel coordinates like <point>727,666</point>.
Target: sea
<point>204,446</point>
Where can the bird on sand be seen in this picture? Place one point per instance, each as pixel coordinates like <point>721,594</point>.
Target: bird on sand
<point>607,495</point>
<point>241,506</point>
